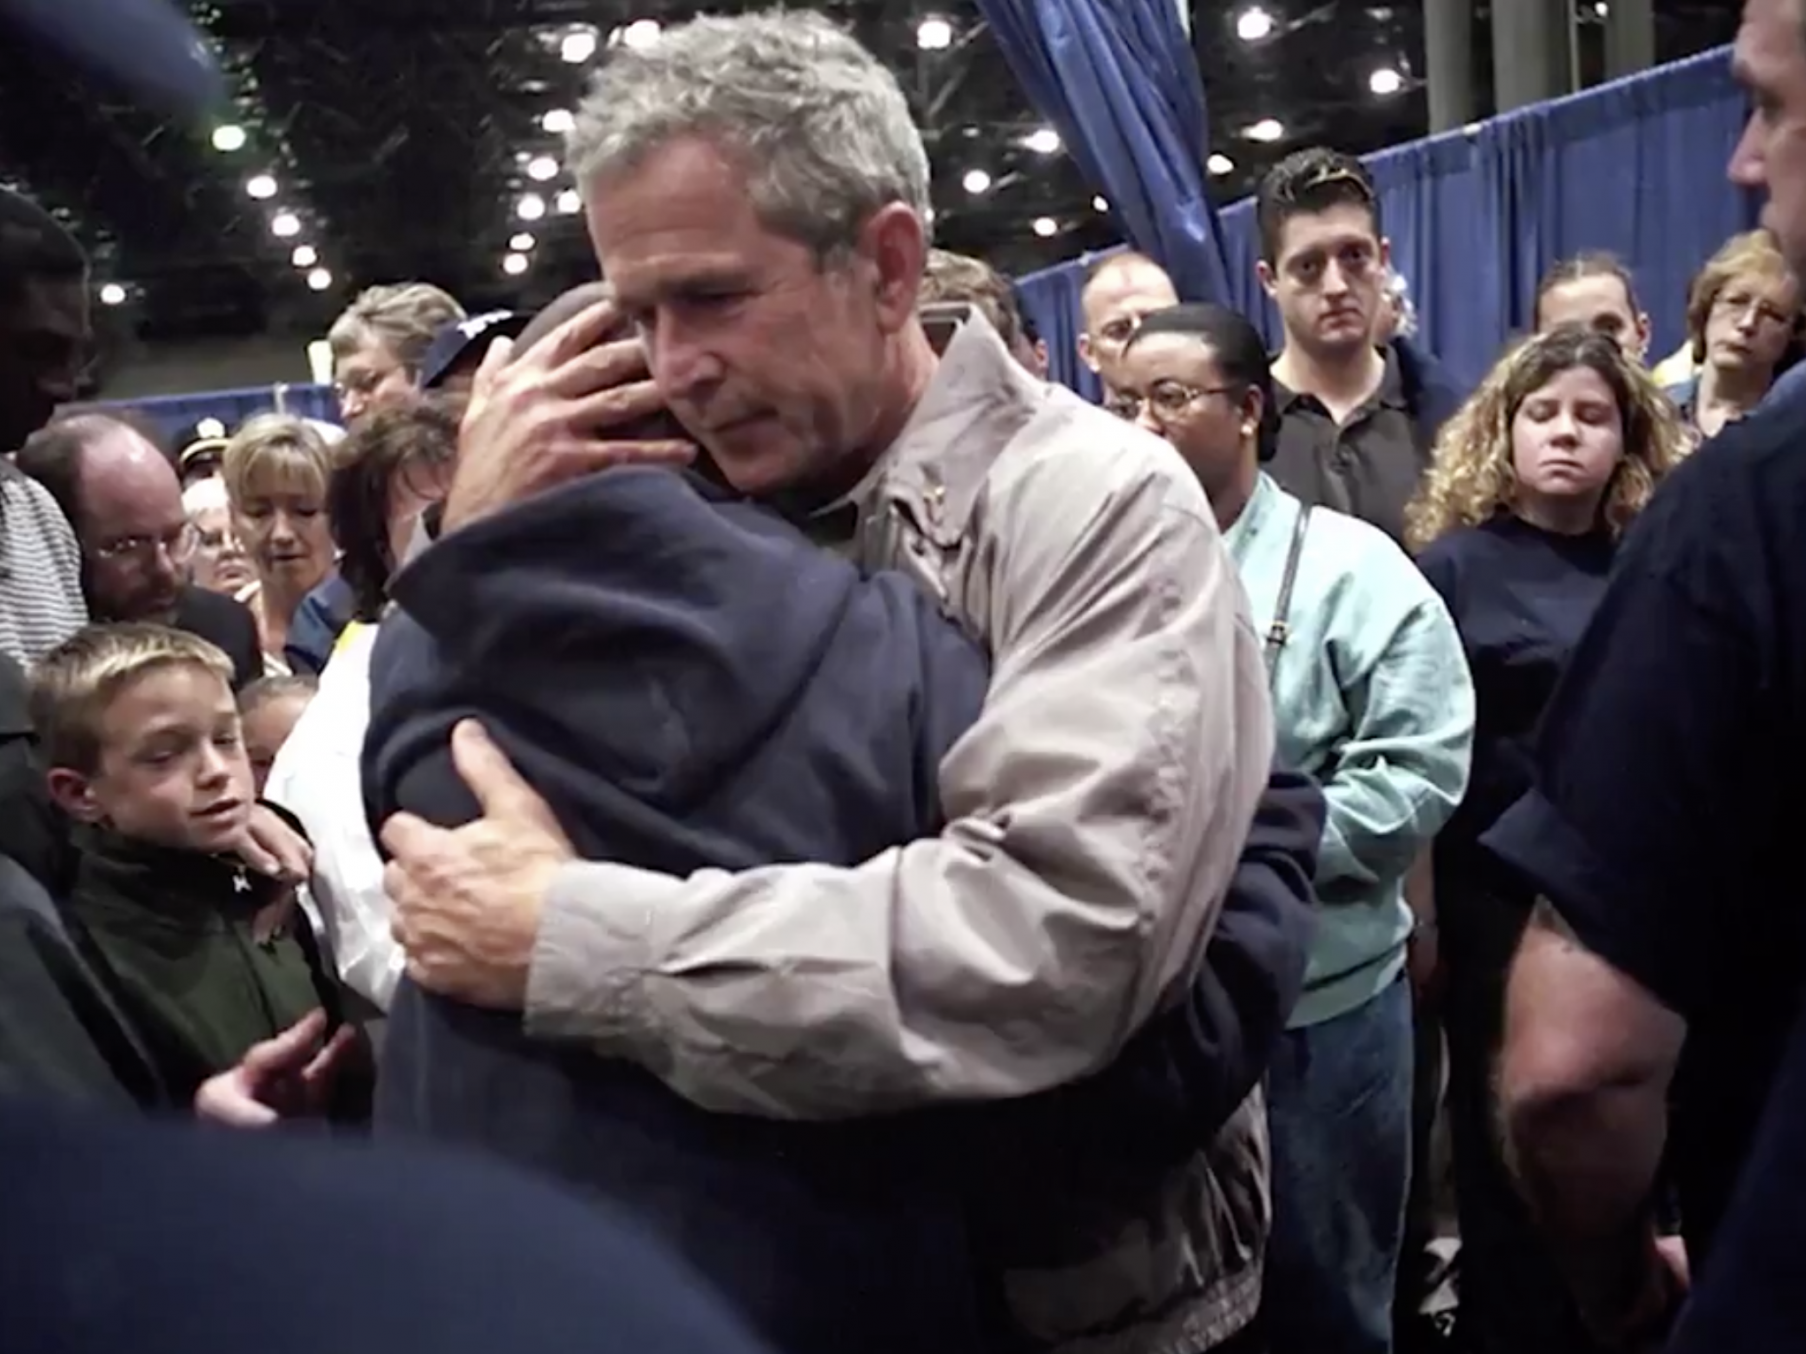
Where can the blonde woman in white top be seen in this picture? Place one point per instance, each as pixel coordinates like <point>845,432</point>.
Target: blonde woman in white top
<point>276,471</point>
<point>396,462</point>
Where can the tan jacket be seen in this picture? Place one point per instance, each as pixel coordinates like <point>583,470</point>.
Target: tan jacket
<point>1095,810</point>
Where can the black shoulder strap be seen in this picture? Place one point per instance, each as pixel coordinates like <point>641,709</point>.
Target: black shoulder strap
<point>1280,631</point>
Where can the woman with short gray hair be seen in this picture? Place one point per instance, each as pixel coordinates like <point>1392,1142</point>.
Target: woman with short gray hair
<point>379,342</point>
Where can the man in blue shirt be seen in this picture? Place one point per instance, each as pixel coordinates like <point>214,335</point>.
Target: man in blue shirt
<point>1667,957</point>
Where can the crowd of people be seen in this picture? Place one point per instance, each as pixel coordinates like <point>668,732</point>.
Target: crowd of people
<point>965,868</point>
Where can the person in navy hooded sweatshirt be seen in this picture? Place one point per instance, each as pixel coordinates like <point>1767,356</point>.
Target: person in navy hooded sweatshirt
<point>722,692</point>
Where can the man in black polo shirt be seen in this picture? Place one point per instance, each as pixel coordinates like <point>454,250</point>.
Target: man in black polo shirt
<point>1664,829</point>
<point>1356,421</point>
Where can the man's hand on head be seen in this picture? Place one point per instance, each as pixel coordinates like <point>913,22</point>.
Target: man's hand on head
<point>468,900</point>
<point>565,407</point>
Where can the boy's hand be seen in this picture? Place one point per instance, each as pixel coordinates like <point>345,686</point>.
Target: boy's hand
<point>270,846</point>
<point>288,1077</point>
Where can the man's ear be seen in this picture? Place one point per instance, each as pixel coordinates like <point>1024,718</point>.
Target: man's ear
<point>73,793</point>
<point>1385,253</point>
<point>895,243</point>
<point>1643,334</point>
<point>1085,354</point>
<point>1264,271</point>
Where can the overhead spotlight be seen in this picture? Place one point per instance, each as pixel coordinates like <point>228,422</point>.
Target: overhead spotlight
<point>641,34</point>
<point>209,427</point>
<point>1385,81</point>
<point>1253,24</point>
<point>285,225</point>
<point>1221,164</point>
<point>1100,203</point>
<point>514,264</point>
<point>569,203</point>
<point>261,186</point>
<point>305,256</point>
<point>542,168</point>
<point>530,207</point>
<point>934,35</point>
<point>228,137</point>
<point>1267,129</point>
<point>1043,141</point>
<point>558,121</point>
<point>1046,227</point>
<point>977,181</point>
<point>578,46</point>
<point>521,243</point>
<point>112,295</point>
<point>319,279</point>
<point>1601,8</point>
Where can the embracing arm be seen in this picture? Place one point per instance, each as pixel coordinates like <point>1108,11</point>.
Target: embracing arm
<point>1583,1083</point>
<point>1095,813</point>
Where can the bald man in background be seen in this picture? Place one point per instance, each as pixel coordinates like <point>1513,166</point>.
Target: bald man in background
<point>124,500</point>
<point>1119,293</point>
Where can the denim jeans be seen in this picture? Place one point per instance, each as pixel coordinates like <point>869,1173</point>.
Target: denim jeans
<point>1339,1105</point>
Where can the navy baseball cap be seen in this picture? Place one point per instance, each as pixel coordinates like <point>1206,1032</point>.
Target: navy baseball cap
<point>466,338</point>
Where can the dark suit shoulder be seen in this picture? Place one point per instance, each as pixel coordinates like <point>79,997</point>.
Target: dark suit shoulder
<point>220,620</point>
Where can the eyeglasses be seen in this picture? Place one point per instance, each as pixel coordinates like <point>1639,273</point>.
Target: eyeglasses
<point>1166,400</point>
<point>178,545</point>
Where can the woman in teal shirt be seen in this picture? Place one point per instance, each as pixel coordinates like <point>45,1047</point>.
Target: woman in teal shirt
<point>1371,695</point>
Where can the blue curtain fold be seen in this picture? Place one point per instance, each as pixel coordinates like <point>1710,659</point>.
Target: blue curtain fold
<point>1118,81</point>
<point>176,415</point>
<point>1476,217</point>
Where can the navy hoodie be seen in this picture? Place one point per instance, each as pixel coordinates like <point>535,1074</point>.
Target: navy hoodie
<point>562,565</point>
<point>689,683</point>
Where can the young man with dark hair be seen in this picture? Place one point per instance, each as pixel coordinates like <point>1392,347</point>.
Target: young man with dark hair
<point>1595,290</point>
<point>1357,422</point>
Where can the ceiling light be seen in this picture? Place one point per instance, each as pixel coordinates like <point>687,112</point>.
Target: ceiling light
<point>1046,227</point>
<point>934,35</point>
<point>1221,164</point>
<point>305,256</point>
<point>521,243</point>
<point>1100,203</point>
<point>1253,24</point>
<point>569,204</point>
<point>558,121</point>
<point>209,427</point>
<point>112,295</point>
<point>1602,9</point>
<point>1043,141</point>
<point>640,34</point>
<point>542,168</point>
<point>261,186</point>
<point>530,207</point>
<point>977,181</point>
<point>578,46</point>
<point>1267,129</point>
<point>319,279</point>
<point>1385,81</point>
<point>514,264</point>
<point>228,137</point>
<point>285,225</point>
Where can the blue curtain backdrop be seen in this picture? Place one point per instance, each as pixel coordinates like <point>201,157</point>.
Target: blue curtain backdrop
<point>1118,81</point>
<point>176,415</point>
<point>1476,217</point>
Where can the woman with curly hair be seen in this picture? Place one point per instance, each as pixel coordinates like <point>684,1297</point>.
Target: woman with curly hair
<point>1516,523</point>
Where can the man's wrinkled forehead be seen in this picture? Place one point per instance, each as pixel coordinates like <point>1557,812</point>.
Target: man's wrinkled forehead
<point>1139,290</point>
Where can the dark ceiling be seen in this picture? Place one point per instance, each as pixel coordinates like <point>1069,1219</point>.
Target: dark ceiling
<point>399,133</point>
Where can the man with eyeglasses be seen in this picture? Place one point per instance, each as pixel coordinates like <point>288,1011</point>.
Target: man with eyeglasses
<point>124,500</point>
<point>1356,421</point>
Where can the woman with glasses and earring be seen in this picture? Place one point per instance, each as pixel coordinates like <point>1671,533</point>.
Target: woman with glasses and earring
<point>1371,696</point>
